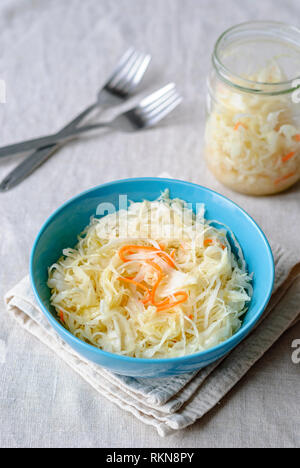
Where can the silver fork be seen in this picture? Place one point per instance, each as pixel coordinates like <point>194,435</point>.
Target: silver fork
<point>146,114</point>
<point>119,87</point>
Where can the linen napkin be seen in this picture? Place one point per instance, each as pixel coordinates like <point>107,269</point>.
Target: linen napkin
<point>170,404</point>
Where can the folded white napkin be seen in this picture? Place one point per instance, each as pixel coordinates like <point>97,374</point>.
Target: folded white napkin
<point>173,403</point>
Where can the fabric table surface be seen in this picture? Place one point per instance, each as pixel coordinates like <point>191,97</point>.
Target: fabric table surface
<point>174,403</point>
<point>53,58</point>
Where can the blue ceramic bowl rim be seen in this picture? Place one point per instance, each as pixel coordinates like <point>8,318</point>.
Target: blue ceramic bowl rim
<point>243,332</point>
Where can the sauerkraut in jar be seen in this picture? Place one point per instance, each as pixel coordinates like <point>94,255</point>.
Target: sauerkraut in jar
<point>252,137</point>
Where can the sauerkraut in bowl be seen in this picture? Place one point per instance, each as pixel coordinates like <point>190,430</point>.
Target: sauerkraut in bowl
<point>152,281</point>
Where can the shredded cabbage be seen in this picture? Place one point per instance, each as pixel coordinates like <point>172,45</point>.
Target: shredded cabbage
<point>252,141</point>
<point>196,259</point>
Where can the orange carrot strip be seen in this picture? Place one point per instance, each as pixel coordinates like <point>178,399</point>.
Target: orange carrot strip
<point>136,283</point>
<point>240,124</point>
<point>61,316</point>
<point>130,248</point>
<point>297,137</point>
<point>130,280</point>
<point>150,295</point>
<point>162,303</point>
<point>167,302</point>
<point>288,156</point>
<point>160,275</point>
<point>155,266</point>
<point>282,179</point>
<point>146,299</point>
<point>154,289</point>
<point>167,258</point>
<point>208,242</point>
<point>175,303</point>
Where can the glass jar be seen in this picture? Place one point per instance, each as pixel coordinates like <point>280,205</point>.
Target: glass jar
<point>252,137</point>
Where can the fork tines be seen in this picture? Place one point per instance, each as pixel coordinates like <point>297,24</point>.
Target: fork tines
<point>129,72</point>
<point>159,104</point>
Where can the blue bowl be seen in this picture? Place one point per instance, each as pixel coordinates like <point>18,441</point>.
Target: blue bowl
<point>61,231</point>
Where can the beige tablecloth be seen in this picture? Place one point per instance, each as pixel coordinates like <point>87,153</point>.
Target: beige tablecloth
<point>174,403</point>
<point>53,57</point>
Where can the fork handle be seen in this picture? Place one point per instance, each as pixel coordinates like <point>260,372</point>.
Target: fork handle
<point>26,167</point>
<point>38,157</point>
<point>41,142</point>
<point>47,140</point>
